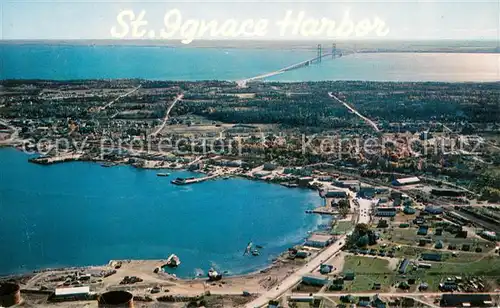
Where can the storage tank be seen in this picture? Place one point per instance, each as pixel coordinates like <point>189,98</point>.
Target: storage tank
<point>116,299</point>
<point>10,294</point>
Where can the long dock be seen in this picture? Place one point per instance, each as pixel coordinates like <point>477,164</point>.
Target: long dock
<point>181,181</point>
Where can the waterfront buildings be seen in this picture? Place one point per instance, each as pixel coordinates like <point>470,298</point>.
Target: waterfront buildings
<point>336,194</point>
<point>319,240</point>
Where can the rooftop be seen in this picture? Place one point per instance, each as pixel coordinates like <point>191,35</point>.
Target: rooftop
<point>316,237</point>
<point>408,180</point>
<point>71,291</point>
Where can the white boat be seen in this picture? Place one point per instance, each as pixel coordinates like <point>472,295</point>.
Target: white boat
<point>163,174</point>
<point>173,261</point>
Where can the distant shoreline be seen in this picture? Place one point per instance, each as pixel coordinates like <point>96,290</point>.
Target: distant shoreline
<point>361,46</point>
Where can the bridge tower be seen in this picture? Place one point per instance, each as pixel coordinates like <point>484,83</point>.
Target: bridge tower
<point>334,50</point>
<point>319,53</point>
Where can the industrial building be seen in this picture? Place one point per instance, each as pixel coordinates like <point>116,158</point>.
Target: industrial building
<point>304,181</point>
<point>336,194</point>
<point>431,257</point>
<point>447,192</point>
<point>403,266</point>
<point>385,211</point>
<point>71,294</point>
<point>367,192</point>
<point>315,280</point>
<point>351,184</point>
<point>422,230</point>
<point>466,300</point>
<point>409,210</point>
<point>301,299</point>
<point>434,210</point>
<point>406,181</point>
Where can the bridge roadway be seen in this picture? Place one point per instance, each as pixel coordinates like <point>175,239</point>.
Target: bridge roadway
<point>243,82</point>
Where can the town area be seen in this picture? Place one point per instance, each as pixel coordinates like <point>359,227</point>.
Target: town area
<point>409,174</point>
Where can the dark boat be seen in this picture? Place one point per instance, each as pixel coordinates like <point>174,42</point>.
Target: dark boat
<point>182,181</point>
<point>213,275</point>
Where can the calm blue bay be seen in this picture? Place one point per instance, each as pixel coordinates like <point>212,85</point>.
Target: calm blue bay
<point>80,213</point>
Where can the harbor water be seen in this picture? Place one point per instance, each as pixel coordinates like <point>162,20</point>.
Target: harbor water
<point>79,213</point>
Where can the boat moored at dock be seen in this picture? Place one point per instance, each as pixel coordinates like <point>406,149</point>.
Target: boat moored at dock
<point>183,181</point>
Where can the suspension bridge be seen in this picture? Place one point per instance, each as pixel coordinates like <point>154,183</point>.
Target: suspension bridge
<point>334,53</point>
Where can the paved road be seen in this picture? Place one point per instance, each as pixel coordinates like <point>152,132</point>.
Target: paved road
<point>178,98</point>
<point>355,112</point>
<point>121,96</point>
<point>296,277</point>
<point>399,294</point>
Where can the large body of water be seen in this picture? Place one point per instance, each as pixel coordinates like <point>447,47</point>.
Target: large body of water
<point>80,213</point>
<point>63,62</point>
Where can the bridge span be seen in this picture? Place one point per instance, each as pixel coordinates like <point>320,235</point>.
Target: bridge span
<point>243,82</point>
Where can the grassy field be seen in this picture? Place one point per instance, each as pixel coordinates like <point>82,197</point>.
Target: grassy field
<point>366,265</point>
<point>368,271</point>
<point>488,266</point>
<point>365,282</point>
<point>342,227</point>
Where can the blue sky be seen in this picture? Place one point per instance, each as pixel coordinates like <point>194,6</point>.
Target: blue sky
<point>87,19</point>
